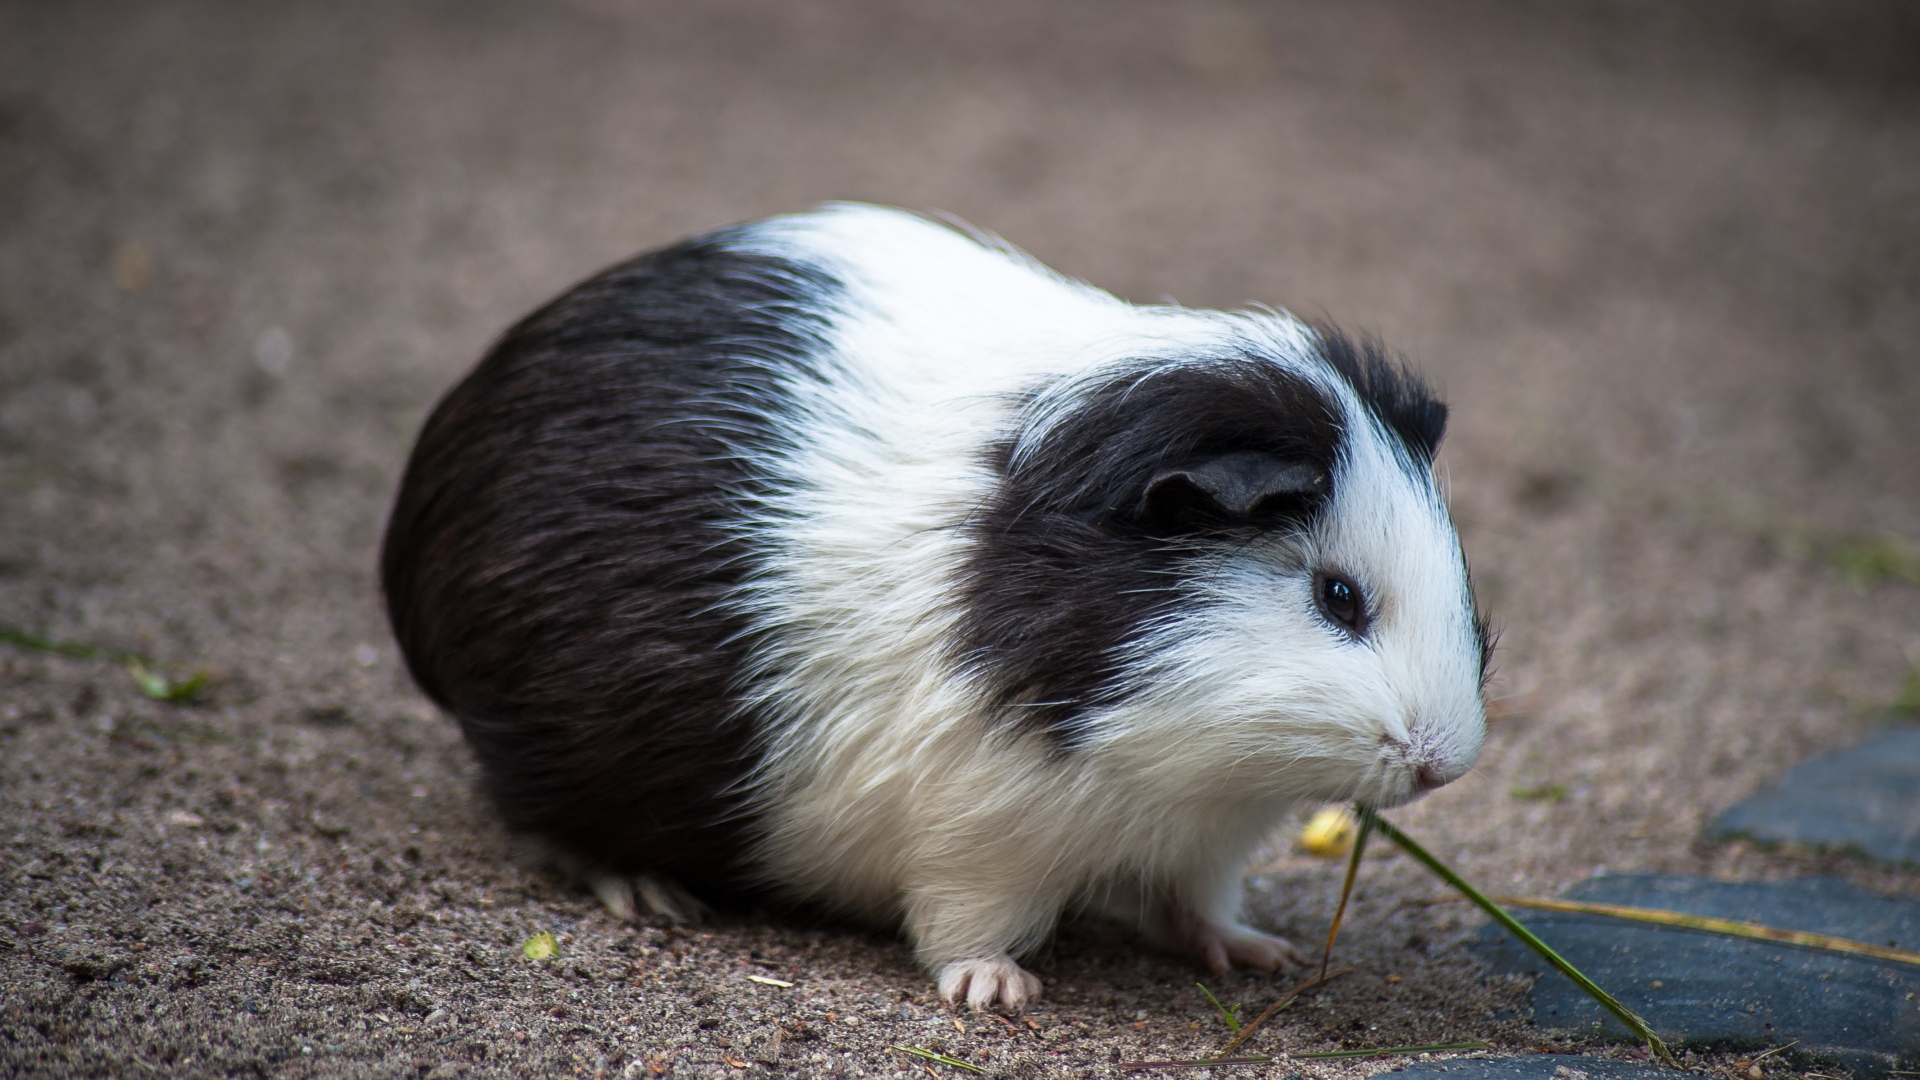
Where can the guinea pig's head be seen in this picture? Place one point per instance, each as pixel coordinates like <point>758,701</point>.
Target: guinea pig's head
<point>1233,573</point>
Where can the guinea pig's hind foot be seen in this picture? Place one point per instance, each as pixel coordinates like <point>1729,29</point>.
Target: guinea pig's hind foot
<point>988,981</point>
<point>1223,948</point>
<point>627,895</point>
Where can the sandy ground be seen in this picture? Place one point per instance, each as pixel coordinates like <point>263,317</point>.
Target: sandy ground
<point>1663,258</point>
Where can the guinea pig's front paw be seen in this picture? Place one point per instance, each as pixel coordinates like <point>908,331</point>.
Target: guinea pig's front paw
<point>988,980</point>
<point>1223,948</point>
<point>625,896</point>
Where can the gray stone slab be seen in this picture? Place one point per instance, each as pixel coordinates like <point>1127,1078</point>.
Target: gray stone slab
<point>1532,1067</point>
<point>1865,799</point>
<point>1712,991</point>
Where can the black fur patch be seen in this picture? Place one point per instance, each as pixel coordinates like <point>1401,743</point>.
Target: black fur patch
<point>557,560</point>
<point>1408,408</point>
<point>1484,633</point>
<point>1066,568</point>
<point>1400,399</point>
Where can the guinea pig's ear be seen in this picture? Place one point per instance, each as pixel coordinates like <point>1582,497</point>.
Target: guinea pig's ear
<point>1240,488</point>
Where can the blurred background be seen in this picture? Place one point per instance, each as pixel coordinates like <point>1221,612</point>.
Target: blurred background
<point>1663,259</point>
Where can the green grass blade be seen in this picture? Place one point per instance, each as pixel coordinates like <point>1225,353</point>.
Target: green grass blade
<point>1635,1024</point>
<point>1383,1051</point>
<point>1196,1063</point>
<point>941,1059</point>
<point>15,636</point>
<point>1226,1014</point>
<point>1346,889</point>
<point>1262,1059</point>
<point>1286,999</point>
<point>151,682</point>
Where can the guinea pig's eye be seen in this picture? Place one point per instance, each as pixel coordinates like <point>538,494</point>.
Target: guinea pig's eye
<point>1340,601</point>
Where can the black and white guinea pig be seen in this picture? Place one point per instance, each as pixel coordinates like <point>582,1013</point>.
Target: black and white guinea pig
<point>848,558</point>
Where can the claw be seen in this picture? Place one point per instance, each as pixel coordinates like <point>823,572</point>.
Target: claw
<point>666,898</point>
<point>987,981</point>
<point>616,893</point>
<point>1223,946</point>
<point>624,896</point>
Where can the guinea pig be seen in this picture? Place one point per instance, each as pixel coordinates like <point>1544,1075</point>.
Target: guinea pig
<point>857,561</point>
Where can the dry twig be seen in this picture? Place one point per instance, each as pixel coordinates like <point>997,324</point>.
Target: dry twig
<point>1247,1029</point>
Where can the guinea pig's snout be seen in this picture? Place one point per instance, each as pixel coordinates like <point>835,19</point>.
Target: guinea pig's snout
<point>1424,768</point>
<point>1436,769</point>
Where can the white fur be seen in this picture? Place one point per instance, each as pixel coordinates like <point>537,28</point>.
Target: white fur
<point>885,791</point>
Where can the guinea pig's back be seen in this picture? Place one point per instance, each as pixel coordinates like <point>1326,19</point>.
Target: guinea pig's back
<point>559,560</point>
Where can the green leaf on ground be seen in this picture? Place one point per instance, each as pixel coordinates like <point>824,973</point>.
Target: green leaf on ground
<point>1869,560</point>
<point>1908,703</point>
<point>160,688</point>
<point>1543,793</point>
<point>540,946</point>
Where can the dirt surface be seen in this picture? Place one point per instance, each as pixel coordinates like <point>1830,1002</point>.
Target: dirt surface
<point>1663,258</point>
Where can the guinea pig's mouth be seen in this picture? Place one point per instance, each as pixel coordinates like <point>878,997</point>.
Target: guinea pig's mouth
<point>1405,772</point>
